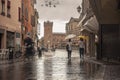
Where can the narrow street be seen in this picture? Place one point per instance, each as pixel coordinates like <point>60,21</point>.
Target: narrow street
<point>55,66</point>
<point>60,40</point>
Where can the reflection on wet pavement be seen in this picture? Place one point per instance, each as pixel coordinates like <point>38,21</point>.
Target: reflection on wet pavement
<point>52,66</point>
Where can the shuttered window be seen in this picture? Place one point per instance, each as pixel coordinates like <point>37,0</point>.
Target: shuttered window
<point>3,7</point>
<point>8,8</point>
<point>19,13</point>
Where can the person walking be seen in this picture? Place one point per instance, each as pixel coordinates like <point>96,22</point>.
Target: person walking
<point>28,43</point>
<point>69,48</point>
<point>39,51</point>
<point>81,48</point>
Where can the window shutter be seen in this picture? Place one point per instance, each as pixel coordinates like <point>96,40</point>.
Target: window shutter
<point>26,14</point>
<point>19,14</point>
<point>33,21</point>
<point>3,1</point>
<point>8,4</point>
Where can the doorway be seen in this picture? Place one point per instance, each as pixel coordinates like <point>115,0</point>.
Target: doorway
<point>0,40</point>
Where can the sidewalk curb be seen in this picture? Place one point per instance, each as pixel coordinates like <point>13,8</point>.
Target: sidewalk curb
<point>101,62</point>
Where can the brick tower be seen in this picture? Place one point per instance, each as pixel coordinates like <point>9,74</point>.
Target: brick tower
<point>48,26</point>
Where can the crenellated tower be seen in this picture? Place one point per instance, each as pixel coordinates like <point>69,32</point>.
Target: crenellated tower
<point>48,27</point>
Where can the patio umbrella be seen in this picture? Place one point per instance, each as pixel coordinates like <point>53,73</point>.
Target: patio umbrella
<point>81,36</point>
<point>70,36</point>
<point>84,37</point>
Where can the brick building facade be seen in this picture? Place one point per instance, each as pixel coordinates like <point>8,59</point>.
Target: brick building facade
<point>59,40</point>
<point>48,26</point>
<point>10,25</point>
<point>29,20</point>
<point>17,17</point>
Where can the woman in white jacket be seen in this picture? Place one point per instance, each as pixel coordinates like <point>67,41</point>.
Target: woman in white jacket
<point>81,47</point>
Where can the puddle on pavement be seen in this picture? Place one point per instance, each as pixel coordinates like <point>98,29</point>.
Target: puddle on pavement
<point>50,69</point>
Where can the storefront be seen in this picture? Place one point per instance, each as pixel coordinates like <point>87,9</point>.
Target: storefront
<point>9,38</point>
<point>88,31</point>
<point>91,29</point>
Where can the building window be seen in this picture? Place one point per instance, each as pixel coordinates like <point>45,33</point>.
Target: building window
<point>17,35</point>
<point>26,14</point>
<point>3,7</point>
<point>8,8</point>
<point>26,30</point>
<point>33,21</point>
<point>10,39</point>
<point>22,8</point>
<point>19,13</point>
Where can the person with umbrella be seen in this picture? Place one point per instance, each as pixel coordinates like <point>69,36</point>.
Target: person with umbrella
<point>70,36</point>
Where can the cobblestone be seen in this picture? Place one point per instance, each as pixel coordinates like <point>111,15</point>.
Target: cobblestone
<point>56,66</point>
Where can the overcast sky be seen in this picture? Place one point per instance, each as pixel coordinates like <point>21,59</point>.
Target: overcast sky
<point>59,14</point>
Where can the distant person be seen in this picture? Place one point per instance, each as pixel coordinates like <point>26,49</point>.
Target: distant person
<point>28,43</point>
<point>81,48</point>
<point>69,48</point>
<point>39,51</point>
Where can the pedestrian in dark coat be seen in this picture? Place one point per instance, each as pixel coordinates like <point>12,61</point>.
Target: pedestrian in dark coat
<point>28,46</point>
<point>39,51</point>
<point>69,48</point>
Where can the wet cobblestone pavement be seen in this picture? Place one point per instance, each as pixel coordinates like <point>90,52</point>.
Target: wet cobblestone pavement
<point>56,66</point>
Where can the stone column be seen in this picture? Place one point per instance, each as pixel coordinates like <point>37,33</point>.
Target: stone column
<point>92,45</point>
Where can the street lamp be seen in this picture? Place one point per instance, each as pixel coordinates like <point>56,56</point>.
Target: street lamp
<point>78,9</point>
